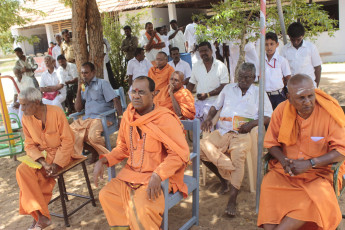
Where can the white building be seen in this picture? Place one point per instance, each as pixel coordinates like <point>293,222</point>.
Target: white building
<point>59,17</point>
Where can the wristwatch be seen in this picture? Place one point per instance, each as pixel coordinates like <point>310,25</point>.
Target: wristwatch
<point>312,162</point>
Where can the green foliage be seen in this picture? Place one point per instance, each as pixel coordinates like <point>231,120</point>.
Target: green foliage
<point>7,40</point>
<point>238,21</point>
<point>229,20</point>
<point>10,11</point>
<point>314,19</point>
<point>67,3</point>
<point>112,30</point>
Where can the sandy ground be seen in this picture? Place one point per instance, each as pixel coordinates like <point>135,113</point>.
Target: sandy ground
<point>211,204</point>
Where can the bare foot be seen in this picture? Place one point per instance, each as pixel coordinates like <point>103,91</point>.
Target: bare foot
<point>42,223</point>
<point>225,187</point>
<point>231,207</point>
<point>32,227</point>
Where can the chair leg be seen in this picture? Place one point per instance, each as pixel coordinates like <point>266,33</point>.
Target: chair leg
<point>251,173</point>
<point>195,208</point>
<point>63,204</point>
<point>111,173</point>
<point>203,170</point>
<point>64,188</point>
<point>88,184</point>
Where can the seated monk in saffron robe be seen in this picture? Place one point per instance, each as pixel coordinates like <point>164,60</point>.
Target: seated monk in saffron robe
<point>161,74</point>
<point>176,98</point>
<point>305,136</point>
<point>46,129</point>
<point>152,140</point>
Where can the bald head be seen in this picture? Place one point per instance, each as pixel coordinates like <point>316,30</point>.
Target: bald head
<point>177,79</point>
<point>300,80</point>
<point>179,74</point>
<point>302,94</point>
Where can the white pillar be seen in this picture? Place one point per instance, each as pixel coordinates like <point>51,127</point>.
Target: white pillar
<point>341,15</point>
<point>50,33</point>
<point>172,12</point>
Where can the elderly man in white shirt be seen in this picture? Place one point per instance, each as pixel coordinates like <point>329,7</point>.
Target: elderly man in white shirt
<point>152,42</point>
<point>302,55</point>
<point>51,85</point>
<point>224,150</point>
<point>180,65</point>
<point>210,76</point>
<point>69,74</point>
<point>190,35</point>
<point>23,82</point>
<point>57,49</point>
<point>176,37</point>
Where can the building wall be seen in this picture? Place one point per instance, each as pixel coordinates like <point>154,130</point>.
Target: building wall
<point>28,48</point>
<point>332,49</point>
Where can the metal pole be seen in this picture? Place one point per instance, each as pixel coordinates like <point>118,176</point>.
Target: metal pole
<point>261,99</point>
<point>281,20</point>
<point>4,113</point>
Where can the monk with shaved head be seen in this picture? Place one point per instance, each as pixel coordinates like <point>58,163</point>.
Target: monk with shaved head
<point>176,98</point>
<point>161,74</point>
<point>305,136</point>
<point>151,139</point>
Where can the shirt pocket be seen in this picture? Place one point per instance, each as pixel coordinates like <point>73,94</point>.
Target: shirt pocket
<point>53,139</point>
<point>317,147</point>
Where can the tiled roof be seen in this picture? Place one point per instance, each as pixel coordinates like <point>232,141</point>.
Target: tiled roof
<point>56,11</point>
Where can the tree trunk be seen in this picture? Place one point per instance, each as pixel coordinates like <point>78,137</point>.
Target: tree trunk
<point>241,58</point>
<point>78,32</point>
<point>95,37</point>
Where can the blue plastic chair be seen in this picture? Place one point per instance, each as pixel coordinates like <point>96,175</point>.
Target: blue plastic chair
<point>192,182</point>
<point>108,130</point>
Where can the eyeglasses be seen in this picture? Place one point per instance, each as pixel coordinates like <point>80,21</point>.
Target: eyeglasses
<point>245,77</point>
<point>140,92</point>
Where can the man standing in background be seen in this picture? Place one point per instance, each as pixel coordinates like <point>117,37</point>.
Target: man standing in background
<point>27,65</point>
<point>67,48</point>
<point>57,49</point>
<point>176,37</point>
<point>129,44</point>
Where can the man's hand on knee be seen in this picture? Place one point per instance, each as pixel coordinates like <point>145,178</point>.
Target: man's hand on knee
<point>247,127</point>
<point>154,188</point>
<point>206,126</point>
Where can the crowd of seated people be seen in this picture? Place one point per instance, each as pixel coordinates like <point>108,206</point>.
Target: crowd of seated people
<point>305,133</point>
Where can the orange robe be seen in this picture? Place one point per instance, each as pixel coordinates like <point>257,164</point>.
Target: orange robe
<point>161,76</point>
<point>308,196</point>
<point>165,152</point>
<point>183,97</point>
<point>57,139</point>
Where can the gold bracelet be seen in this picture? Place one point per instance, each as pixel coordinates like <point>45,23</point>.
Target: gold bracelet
<point>208,94</point>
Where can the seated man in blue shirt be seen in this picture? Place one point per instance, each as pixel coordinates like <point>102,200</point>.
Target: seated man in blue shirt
<point>96,96</point>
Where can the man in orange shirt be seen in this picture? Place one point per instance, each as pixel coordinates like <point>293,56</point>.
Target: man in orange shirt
<point>161,74</point>
<point>305,136</point>
<point>176,98</point>
<point>46,129</point>
<point>152,140</point>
